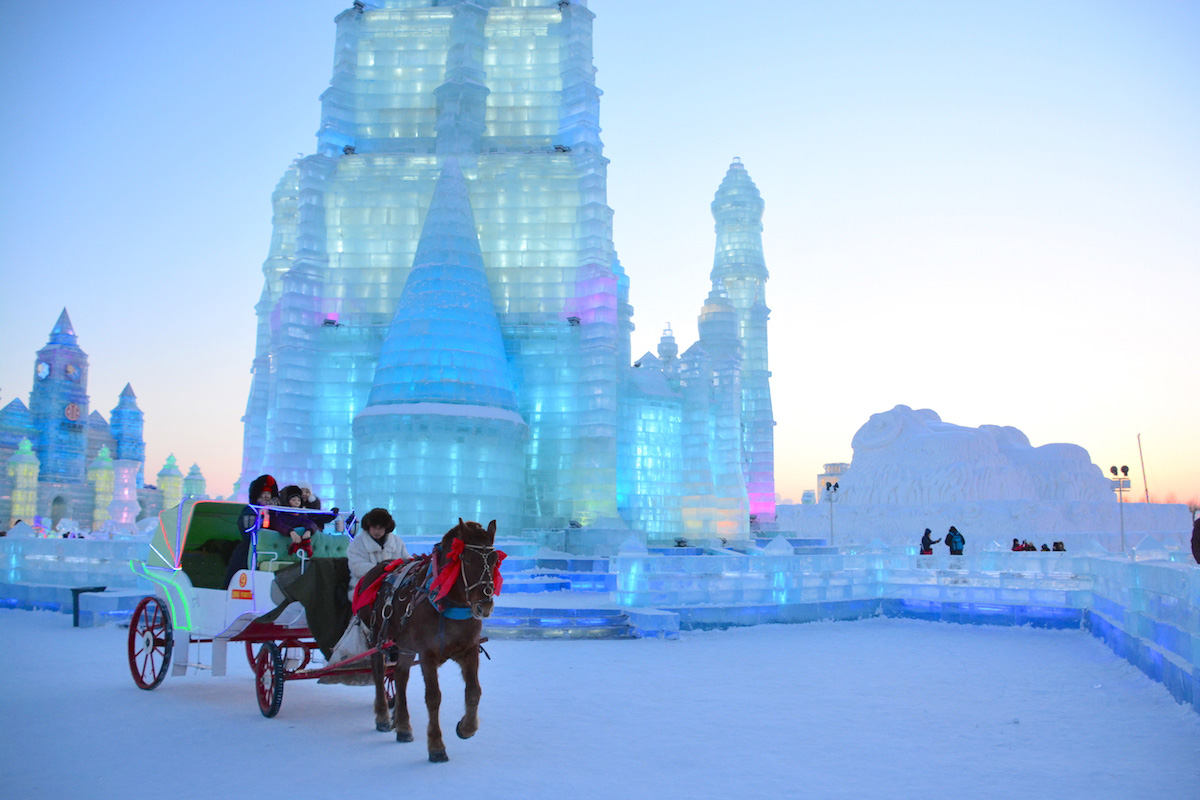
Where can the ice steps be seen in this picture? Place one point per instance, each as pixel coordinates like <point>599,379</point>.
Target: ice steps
<point>558,623</point>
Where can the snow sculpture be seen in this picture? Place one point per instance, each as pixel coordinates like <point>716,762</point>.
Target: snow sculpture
<point>459,190</point>
<point>907,456</point>
<point>913,471</point>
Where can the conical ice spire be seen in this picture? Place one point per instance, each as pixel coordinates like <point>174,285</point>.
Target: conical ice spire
<point>444,344</point>
<point>64,331</point>
<point>127,393</point>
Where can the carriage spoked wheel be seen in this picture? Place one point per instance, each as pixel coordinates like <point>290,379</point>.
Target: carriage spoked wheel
<point>150,643</point>
<point>249,654</point>
<point>268,679</point>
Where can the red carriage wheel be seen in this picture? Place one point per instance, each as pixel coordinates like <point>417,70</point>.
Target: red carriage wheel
<point>150,643</point>
<point>249,654</point>
<point>268,679</point>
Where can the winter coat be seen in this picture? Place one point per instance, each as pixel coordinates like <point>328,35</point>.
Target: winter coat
<point>364,552</point>
<point>1196,540</point>
<point>927,544</point>
<point>955,541</point>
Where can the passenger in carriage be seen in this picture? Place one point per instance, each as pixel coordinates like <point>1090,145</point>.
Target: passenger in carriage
<point>263,492</point>
<point>377,544</point>
<point>312,502</point>
<point>299,527</point>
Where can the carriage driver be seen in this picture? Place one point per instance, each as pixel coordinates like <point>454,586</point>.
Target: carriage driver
<point>379,545</point>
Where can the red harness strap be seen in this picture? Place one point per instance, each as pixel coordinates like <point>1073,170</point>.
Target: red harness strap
<point>365,595</point>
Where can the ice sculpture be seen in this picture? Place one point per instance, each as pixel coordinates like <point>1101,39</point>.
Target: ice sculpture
<point>739,266</point>
<point>67,438</point>
<point>449,246</point>
<point>126,423</point>
<point>440,436</point>
<point>23,468</point>
<point>103,479</point>
<point>194,485</point>
<point>170,483</point>
<point>124,508</point>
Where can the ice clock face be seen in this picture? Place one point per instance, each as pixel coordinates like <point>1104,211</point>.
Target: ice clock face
<point>43,370</point>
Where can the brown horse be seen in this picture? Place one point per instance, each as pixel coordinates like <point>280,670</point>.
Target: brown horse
<point>433,614</point>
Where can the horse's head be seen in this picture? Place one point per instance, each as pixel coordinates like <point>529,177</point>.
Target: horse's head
<point>479,561</point>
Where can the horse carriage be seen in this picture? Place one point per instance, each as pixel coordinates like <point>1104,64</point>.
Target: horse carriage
<point>424,612</point>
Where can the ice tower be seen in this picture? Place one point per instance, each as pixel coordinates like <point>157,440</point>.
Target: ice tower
<point>739,266</point>
<point>444,324</point>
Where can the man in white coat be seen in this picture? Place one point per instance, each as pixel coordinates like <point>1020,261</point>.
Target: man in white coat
<point>377,544</point>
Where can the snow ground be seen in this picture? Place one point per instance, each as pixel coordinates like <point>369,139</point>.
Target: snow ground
<point>879,708</point>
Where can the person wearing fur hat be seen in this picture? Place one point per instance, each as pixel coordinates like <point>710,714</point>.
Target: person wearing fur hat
<point>263,492</point>
<point>375,544</point>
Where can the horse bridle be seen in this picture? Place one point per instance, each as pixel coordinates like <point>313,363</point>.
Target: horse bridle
<point>487,553</point>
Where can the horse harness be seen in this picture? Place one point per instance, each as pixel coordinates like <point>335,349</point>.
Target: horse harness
<point>404,585</point>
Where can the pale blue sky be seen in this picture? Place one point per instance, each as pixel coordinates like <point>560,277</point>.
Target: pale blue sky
<point>988,210</point>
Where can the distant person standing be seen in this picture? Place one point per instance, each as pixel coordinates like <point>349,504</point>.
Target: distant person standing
<point>955,541</point>
<point>927,543</point>
<point>1196,539</point>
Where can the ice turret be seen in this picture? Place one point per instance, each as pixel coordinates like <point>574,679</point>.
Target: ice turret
<point>194,484</point>
<point>739,266</point>
<point>23,469</point>
<point>102,478</point>
<point>170,483</point>
<point>440,436</point>
<point>127,422</point>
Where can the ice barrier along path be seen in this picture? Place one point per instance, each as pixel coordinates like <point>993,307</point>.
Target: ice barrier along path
<point>1144,606</point>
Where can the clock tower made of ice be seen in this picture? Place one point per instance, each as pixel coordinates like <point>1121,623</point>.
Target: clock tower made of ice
<point>58,405</point>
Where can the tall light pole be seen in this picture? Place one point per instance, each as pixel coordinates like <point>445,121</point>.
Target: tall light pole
<point>830,493</point>
<point>1121,497</point>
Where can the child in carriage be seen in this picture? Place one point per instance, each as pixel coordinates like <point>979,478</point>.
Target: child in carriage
<point>299,527</point>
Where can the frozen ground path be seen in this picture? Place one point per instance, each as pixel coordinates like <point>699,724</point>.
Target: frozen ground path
<point>873,709</point>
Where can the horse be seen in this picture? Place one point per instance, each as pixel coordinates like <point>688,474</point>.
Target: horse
<point>432,612</point>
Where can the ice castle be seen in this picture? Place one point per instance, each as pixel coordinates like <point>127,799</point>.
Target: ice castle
<point>444,326</point>
<point>58,460</point>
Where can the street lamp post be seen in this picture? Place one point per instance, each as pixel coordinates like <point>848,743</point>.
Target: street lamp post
<point>830,493</point>
<point>1120,481</point>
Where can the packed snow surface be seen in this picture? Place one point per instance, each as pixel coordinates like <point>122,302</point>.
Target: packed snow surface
<point>879,708</point>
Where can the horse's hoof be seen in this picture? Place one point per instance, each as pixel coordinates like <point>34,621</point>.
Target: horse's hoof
<point>383,727</point>
<point>404,736</point>
<point>458,729</point>
<point>439,757</point>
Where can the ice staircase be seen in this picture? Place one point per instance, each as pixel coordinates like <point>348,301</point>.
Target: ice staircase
<point>515,622</point>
